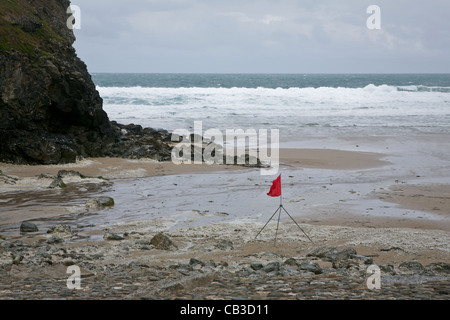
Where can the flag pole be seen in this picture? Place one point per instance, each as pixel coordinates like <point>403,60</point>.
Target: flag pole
<point>298,225</point>
<point>279,209</point>
<point>274,194</point>
<point>281,194</point>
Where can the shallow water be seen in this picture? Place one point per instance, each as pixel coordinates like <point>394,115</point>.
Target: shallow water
<point>47,207</point>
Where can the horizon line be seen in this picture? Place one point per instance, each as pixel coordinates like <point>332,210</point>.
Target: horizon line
<point>278,73</point>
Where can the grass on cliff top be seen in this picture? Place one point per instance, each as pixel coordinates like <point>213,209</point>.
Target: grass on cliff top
<point>13,37</point>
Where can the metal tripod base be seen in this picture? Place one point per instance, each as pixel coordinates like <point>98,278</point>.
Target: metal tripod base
<point>278,223</point>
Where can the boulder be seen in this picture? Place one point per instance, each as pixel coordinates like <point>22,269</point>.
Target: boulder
<point>27,226</point>
<point>411,267</point>
<point>290,262</point>
<point>55,239</point>
<point>272,266</point>
<point>163,242</point>
<point>256,266</point>
<point>439,268</point>
<point>224,245</point>
<point>60,228</point>
<point>70,173</point>
<point>196,262</point>
<point>57,183</point>
<point>100,202</point>
<point>332,253</point>
<point>112,236</point>
<point>105,201</point>
<point>310,266</point>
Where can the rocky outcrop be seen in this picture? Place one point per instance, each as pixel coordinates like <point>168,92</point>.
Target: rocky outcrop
<point>121,269</point>
<point>50,110</point>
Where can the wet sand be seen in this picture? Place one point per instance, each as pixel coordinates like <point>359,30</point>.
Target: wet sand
<point>430,198</point>
<point>391,207</point>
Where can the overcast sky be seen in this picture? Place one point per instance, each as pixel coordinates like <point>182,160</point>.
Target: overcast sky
<point>263,36</point>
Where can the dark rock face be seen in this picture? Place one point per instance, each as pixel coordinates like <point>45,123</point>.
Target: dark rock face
<point>134,142</point>
<point>50,110</point>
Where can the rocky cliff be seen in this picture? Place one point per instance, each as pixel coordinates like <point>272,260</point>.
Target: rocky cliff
<point>50,110</point>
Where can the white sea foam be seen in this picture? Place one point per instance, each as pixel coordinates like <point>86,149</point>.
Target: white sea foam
<point>294,110</point>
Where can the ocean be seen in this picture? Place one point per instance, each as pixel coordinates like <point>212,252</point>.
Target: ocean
<point>298,105</point>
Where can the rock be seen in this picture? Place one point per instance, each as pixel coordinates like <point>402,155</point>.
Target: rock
<point>256,266</point>
<point>100,202</point>
<point>59,233</point>
<point>70,173</point>
<point>105,201</point>
<point>310,266</point>
<point>27,226</point>
<point>57,183</point>
<point>244,272</point>
<point>163,242</point>
<point>112,236</point>
<point>388,269</point>
<point>6,245</point>
<point>143,242</point>
<point>42,256</point>
<point>194,262</point>
<point>46,176</point>
<point>411,267</point>
<point>272,266</point>
<point>391,249</point>
<point>55,239</point>
<point>19,243</point>
<point>8,179</point>
<point>345,263</point>
<point>364,259</point>
<point>17,258</point>
<point>290,262</point>
<point>136,142</point>
<point>137,264</point>
<point>351,260</point>
<point>68,262</point>
<point>439,267</point>
<point>211,264</point>
<point>60,228</point>
<point>224,245</point>
<point>50,109</point>
<point>332,253</point>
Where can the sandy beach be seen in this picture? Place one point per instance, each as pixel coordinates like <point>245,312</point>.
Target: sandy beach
<point>341,198</point>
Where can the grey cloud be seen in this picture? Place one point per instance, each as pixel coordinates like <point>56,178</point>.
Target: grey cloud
<point>262,36</point>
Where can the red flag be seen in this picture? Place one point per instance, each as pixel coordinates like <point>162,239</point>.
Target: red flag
<point>275,189</point>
